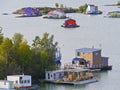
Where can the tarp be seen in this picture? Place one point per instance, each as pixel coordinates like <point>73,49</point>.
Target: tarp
<point>70,22</point>
<point>77,59</point>
<point>30,11</point>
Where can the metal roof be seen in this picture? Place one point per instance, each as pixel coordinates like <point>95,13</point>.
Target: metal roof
<point>87,50</point>
<point>17,75</point>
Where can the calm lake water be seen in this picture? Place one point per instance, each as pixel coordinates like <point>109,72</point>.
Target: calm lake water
<point>94,31</point>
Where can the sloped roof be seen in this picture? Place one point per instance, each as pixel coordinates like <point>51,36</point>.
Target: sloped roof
<point>58,11</point>
<point>71,20</point>
<point>87,50</point>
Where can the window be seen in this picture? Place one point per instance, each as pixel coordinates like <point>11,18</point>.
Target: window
<point>96,53</point>
<point>28,81</point>
<point>78,53</point>
<point>24,81</point>
<point>51,76</point>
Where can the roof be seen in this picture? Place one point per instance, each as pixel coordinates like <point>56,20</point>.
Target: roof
<point>17,75</point>
<point>91,5</point>
<point>5,81</point>
<point>87,50</point>
<point>77,59</point>
<point>71,20</point>
<point>68,70</point>
<point>58,11</point>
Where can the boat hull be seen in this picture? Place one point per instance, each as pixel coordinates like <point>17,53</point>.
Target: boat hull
<point>92,80</point>
<point>70,26</point>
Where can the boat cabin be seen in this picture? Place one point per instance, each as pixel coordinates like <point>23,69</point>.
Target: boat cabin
<point>4,84</point>
<point>92,56</point>
<point>20,81</point>
<point>69,22</point>
<point>56,14</point>
<point>54,75</point>
<point>77,74</point>
<point>92,9</point>
<point>70,76</point>
<point>28,11</point>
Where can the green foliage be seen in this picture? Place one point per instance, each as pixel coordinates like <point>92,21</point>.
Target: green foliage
<point>82,9</point>
<point>1,35</point>
<point>118,3</point>
<point>56,5</point>
<point>17,57</point>
<point>61,6</point>
<point>46,9</point>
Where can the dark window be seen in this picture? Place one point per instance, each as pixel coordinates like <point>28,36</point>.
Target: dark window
<point>78,53</point>
<point>28,81</point>
<point>24,81</point>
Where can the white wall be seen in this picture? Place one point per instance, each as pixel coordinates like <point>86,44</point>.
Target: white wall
<point>4,84</point>
<point>26,80</point>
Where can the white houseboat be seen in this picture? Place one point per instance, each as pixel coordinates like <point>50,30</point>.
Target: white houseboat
<point>70,76</point>
<point>20,81</point>
<point>7,85</point>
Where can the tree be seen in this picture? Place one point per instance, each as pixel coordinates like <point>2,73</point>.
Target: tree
<point>61,6</point>
<point>5,47</point>
<point>56,5</point>
<point>1,35</point>
<point>17,39</point>
<point>46,10</point>
<point>24,54</point>
<point>44,49</point>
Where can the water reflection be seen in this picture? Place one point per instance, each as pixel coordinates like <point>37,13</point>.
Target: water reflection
<point>92,86</point>
<point>61,87</point>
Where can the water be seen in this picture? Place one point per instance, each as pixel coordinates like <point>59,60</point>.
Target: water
<point>94,31</point>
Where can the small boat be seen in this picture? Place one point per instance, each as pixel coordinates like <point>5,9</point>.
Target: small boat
<point>70,23</point>
<point>5,14</point>
<point>113,14</point>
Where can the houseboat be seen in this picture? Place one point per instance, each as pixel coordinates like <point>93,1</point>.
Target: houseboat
<point>89,58</point>
<point>56,14</point>
<point>6,85</point>
<point>20,81</point>
<point>93,10</point>
<point>70,76</point>
<point>114,14</point>
<point>30,12</point>
<point>70,23</point>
